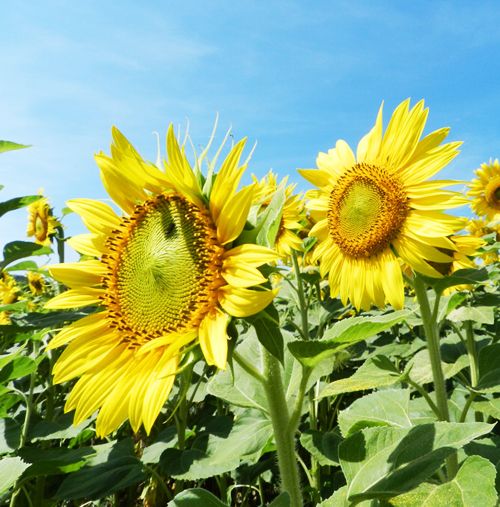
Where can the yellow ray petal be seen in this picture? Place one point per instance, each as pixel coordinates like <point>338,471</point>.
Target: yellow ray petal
<point>240,302</point>
<point>433,223</point>
<point>87,327</point>
<point>392,279</point>
<point>227,179</point>
<point>234,215</point>
<point>253,255</point>
<point>79,274</point>
<point>213,338</point>
<point>413,259</point>
<point>241,275</point>
<point>84,353</point>
<point>369,145</point>
<point>88,244</point>
<point>97,216</point>
<point>75,298</point>
<point>317,177</point>
<point>320,230</point>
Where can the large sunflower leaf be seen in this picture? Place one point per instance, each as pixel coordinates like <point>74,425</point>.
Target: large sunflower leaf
<point>16,250</point>
<point>473,485</point>
<point>17,202</point>
<point>194,498</point>
<point>383,462</point>
<point>10,470</point>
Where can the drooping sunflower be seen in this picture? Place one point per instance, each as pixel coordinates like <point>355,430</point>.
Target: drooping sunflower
<point>293,212</point>
<point>36,283</point>
<point>376,208</point>
<point>41,222</point>
<point>166,275</point>
<point>485,190</point>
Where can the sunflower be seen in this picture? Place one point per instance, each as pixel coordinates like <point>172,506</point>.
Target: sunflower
<point>41,223</point>
<point>9,290</point>
<point>375,209</point>
<point>36,283</point>
<point>5,319</point>
<point>292,216</point>
<point>166,275</point>
<point>479,228</point>
<point>485,190</point>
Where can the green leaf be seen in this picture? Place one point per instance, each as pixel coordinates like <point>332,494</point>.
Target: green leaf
<point>10,470</point>
<point>61,428</point>
<point>489,369</point>
<point>343,334</point>
<point>19,249</point>
<point>194,498</point>
<point>460,277</point>
<point>477,314</point>
<point>221,448</point>
<point>390,407</point>
<point>282,500</point>
<point>24,266</point>
<point>113,467</point>
<point>54,461</point>
<point>10,435</point>
<point>375,372</point>
<point>9,146</point>
<point>473,485</point>
<point>420,370</point>
<point>269,222</point>
<point>383,462</point>
<point>17,202</point>
<point>167,439</point>
<point>19,367</point>
<point>323,446</point>
<point>490,408</point>
<point>267,328</point>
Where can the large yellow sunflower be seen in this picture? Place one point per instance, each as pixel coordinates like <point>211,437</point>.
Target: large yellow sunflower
<point>165,275</point>
<point>292,216</point>
<point>376,207</point>
<point>485,190</point>
<point>41,223</point>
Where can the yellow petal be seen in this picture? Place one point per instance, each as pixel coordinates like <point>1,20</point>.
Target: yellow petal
<point>88,244</point>
<point>253,255</point>
<point>234,215</point>
<point>369,145</point>
<point>87,327</point>
<point>79,274</point>
<point>240,302</point>
<point>97,216</point>
<point>392,279</point>
<point>317,177</point>
<point>227,179</point>
<point>75,298</point>
<point>213,338</point>
<point>241,275</point>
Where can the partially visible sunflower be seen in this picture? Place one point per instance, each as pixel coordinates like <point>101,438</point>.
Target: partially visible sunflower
<point>41,222</point>
<point>479,228</point>
<point>36,283</point>
<point>376,207</point>
<point>165,277</point>
<point>485,190</point>
<point>5,319</point>
<point>287,238</point>
<point>9,290</point>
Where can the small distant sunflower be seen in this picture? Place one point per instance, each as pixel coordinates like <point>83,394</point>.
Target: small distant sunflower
<point>479,228</point>
<point>376,207</point>
<point>41,223</point>
<point>485,190</point>
<point>287,238</point>
<point>36,283</point>
<point>9,290</point>
<point>5,319</point>
<point>165,275</point>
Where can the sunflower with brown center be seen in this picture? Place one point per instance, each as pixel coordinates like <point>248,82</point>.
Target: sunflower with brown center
<point>166,276</point>
<point>376,208</point>
<point>485,191</point>
<point>293,213</point>
<point>42,225</point>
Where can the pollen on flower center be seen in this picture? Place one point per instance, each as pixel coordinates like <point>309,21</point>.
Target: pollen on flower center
<point>492,193</point>
<point>164,267</point>
<point>366,210</point>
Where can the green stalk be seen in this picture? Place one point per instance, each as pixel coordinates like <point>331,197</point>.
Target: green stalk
<point>472,353</point>
<point>283,435</point>
<point>432,337</point>
<point>302,298</point>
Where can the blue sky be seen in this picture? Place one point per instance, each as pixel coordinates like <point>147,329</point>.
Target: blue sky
<point>293,76</point>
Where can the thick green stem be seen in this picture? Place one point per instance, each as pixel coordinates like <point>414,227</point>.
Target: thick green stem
<point>302,298</point>
<point>432,337</point>
<point>283,434</point>
<point>472,353</point>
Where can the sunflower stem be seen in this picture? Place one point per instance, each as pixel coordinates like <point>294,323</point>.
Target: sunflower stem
<point>429,319</point>
<point>302,299</point>
<point>284,435</point>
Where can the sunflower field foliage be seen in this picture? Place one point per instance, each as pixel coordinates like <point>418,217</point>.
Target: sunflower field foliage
<point>216,343</point>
